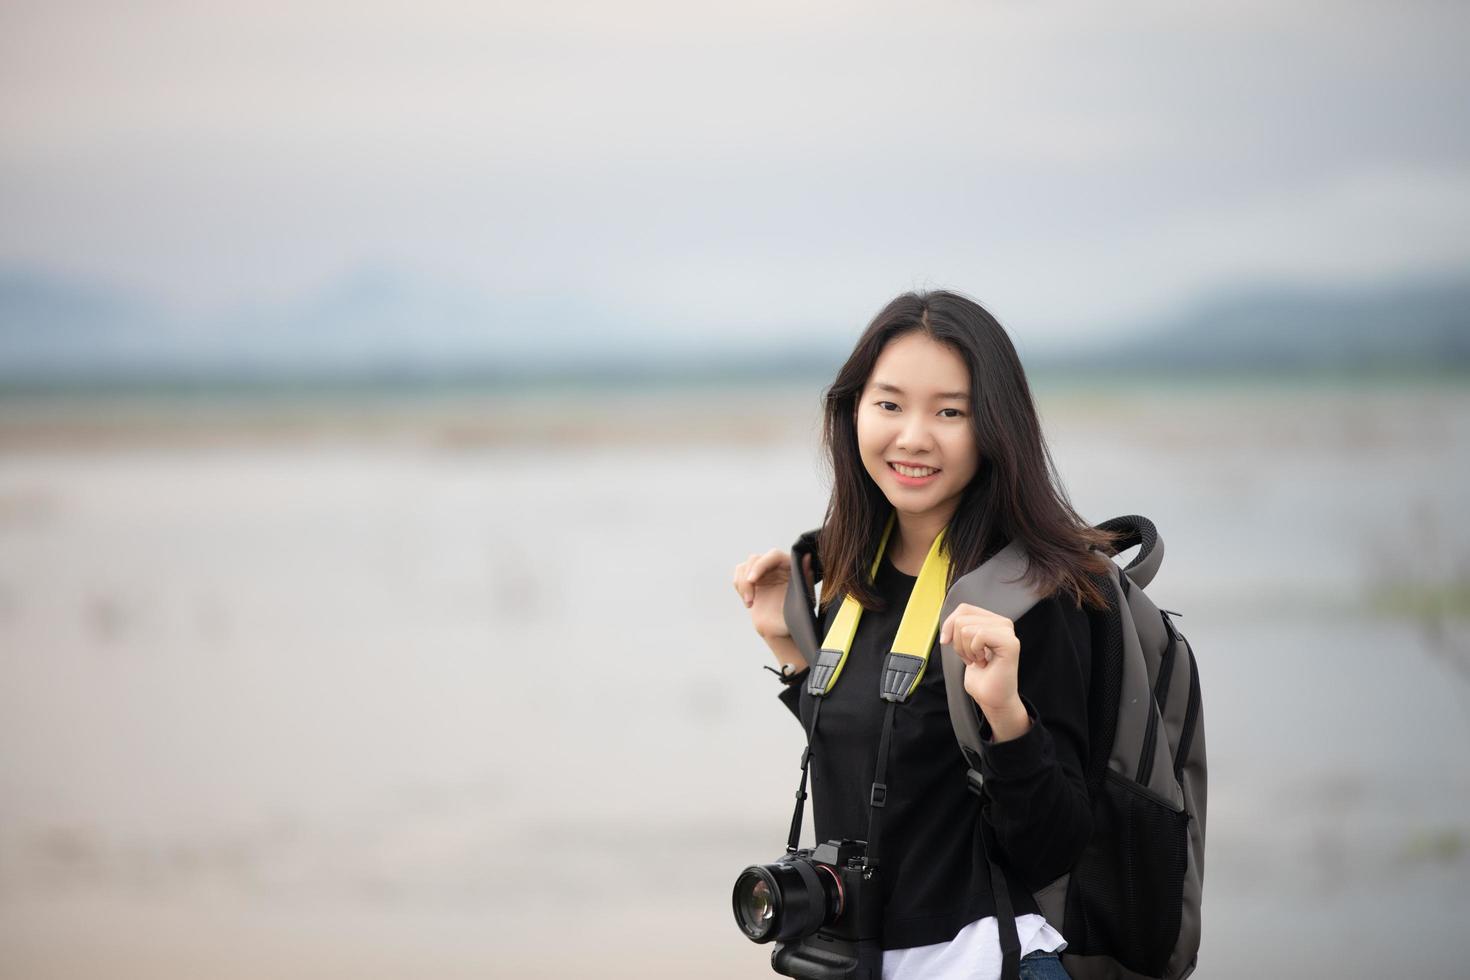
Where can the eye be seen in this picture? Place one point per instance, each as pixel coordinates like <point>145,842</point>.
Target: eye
<point>881,404</point>
<point>957,413</point>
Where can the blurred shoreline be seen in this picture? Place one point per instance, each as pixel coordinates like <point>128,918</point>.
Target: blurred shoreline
<point>607,411</point>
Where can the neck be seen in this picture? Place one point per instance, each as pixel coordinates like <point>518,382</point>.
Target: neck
<point>912,539</point>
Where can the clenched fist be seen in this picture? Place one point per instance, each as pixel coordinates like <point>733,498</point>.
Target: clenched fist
<point>987,643</point>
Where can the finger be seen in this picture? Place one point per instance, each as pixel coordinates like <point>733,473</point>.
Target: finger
<point>764,563</point>
<point>999,640</point>
<point>962,630</point>
<point>751,574</point>
<point>946,628</point>
<point>743,588</point>
<point>976,636</point>
<point>967,640</point>
<point>951,631</point>
<point>964,612</point>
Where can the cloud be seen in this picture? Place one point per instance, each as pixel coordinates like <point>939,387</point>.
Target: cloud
<point>755,167</point>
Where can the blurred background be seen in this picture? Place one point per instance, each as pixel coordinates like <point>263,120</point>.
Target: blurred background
<point>387,392</point>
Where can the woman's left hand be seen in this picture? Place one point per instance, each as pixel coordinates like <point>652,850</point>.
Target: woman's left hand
<point>987,643</point>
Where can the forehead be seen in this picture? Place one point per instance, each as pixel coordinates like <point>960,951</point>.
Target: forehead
<point>919,366</point>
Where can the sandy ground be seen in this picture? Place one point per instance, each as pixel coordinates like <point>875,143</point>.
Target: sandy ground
<point>456,687</point>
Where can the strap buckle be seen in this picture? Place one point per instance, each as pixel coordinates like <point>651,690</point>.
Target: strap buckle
<point>879,795</point>
<point>975,782</point>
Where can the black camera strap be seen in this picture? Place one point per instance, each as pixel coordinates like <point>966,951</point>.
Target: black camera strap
<point>878,798</point>
<point>806,757</point>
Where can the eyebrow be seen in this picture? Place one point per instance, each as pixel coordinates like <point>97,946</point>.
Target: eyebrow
<point>895,389</point>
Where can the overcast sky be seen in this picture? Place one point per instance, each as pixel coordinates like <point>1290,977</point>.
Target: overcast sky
<point>739,167</point>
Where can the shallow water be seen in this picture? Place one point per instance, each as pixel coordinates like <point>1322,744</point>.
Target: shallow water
<point>434,707</point>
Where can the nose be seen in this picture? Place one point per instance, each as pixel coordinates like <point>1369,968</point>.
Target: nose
<point>914,435</point>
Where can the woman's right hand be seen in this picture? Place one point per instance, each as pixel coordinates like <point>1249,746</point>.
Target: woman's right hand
<point>761,582</point>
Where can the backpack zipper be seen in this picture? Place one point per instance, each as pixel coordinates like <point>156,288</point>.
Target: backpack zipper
<point>1150,736</point>
<point>1191,716</point>
<point>1166,665</point>
<point>1161,698</point>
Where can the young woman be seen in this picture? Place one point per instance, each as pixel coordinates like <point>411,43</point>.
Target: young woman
<point>930,424</point>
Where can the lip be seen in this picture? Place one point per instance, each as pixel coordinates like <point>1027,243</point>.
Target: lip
<point>913,481</point>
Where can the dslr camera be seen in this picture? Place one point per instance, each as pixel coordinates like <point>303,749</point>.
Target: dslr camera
<point>820,907</point>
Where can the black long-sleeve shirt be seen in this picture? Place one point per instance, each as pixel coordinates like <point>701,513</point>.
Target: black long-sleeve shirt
<point>932,878</point>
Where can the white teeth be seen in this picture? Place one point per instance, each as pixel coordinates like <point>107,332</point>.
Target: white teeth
<point>913,470</point>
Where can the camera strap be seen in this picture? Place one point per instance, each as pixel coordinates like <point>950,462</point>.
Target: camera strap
<point>794,840</point>
<point>903,668</point>
<point>878,798</point>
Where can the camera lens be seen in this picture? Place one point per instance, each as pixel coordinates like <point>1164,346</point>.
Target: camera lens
<point>755,905</point>
<point>785,900</point>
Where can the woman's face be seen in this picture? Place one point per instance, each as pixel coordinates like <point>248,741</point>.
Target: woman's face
<point>915,409</point>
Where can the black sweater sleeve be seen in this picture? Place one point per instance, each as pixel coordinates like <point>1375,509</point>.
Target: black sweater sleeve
<point>1037,806</point>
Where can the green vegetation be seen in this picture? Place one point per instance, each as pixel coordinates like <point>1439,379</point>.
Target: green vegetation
<point>1441,845</point>
<point>1424,600</point>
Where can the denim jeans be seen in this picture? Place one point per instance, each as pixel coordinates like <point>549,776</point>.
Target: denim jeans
<point>1042,965</point>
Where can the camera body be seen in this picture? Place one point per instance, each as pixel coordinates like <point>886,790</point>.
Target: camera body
<point>820,906</point>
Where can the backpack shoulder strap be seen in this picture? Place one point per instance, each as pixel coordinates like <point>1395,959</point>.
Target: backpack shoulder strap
<point>997,586</point>
<point>799,608</point>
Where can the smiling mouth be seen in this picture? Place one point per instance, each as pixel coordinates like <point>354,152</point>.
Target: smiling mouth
<point>913,472</point>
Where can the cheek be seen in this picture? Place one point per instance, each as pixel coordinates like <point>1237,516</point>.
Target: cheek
<point>962,451</point>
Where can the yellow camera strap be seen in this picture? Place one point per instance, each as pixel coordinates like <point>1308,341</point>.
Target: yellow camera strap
<point>904,665</point>
<point>903,668</point>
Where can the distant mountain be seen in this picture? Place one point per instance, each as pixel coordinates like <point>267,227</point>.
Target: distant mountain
<point>376,322</point>
<point>379,327</point>
<point>372,323</point>
<point>51,326</point>
<point>373,326</point>
<point>1410,325</point>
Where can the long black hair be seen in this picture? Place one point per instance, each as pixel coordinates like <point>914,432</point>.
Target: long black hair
<point>1016,492</point>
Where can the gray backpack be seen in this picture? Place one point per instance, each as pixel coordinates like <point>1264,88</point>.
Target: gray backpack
<point>1130,906</point>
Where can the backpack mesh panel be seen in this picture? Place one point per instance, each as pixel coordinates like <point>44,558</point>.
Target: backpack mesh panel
<point>1140,844</point>
<point>1126,893</point>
